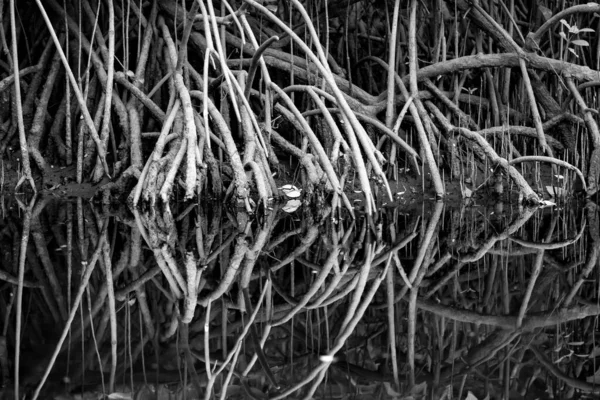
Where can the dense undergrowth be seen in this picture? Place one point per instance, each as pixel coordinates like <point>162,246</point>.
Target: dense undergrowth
<point>215,97</point>
<point>211,99</point>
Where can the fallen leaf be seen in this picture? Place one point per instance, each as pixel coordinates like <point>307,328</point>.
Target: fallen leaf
<point>292,206</point>
<point>547,203</point>
<point>291,191</point>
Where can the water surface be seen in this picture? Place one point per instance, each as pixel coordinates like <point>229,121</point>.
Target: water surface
<point>200,301</point>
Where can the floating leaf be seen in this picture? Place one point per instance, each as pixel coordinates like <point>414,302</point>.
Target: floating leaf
<point>291,191</point>
<point>292,206</point>
<point>547,203</point>
<point>326,358</point>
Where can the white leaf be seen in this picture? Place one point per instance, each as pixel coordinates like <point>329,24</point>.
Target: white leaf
<point>580,42</point>
<point>292,206</point>
<point>547,203</point>
<point>291,191</point>
<point>326,358</point>
<point>562,35</point>
<point>559,177</point>
<point>573,51</point>
<point>119,395</point>
<point>565,23</point>
<point>467,193</point>
<point>582,30</point>
<point>293,194</point>
<point>288,187</point>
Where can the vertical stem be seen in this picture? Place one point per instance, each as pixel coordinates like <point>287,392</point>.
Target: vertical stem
<point>414,90</point>
<point>21,277</point>
<point>110,66</point>
<point>112,314</point>
<point>389,112</point>
<point>19,107</point>
<point>84,110</point>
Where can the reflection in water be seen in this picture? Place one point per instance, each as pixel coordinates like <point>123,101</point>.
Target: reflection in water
<point>206,302</point>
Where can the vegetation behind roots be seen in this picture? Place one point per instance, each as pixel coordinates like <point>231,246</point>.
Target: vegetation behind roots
<point>210,96</point>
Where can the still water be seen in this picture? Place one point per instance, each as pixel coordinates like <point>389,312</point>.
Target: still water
<point>439,302</point>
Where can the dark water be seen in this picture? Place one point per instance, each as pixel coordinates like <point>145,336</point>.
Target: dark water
<point>204,302</point>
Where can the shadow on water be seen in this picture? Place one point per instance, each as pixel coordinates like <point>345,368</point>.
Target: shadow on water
<point>209,303</point>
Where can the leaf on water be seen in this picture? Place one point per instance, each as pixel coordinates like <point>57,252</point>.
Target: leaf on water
<point>556,191</point>
<point>291,191</point>
<point>292,206</point>
<point>326,358</point>
<point>547,203</point>
<point>293,194</point>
